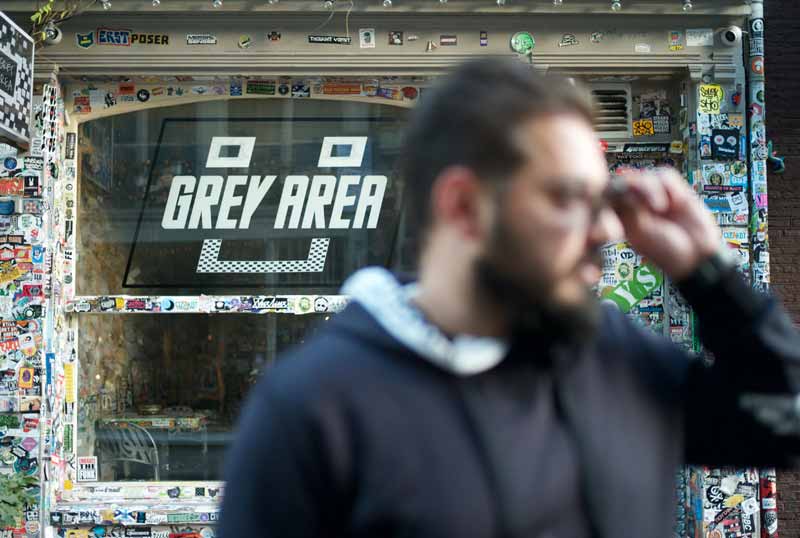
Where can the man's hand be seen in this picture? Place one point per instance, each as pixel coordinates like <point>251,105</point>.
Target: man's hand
<point>665,221</point>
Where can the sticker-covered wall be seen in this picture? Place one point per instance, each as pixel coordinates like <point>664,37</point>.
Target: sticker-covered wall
<point>27,313</point>
<point>100,368</point>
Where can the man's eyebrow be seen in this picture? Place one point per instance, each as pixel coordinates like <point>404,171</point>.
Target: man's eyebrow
<point>570,184</point>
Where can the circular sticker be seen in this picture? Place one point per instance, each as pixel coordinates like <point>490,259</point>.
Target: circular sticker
<point>167,304</point>
<point>757,65</point>
<point>10,163</point>
<point>143,95</point>
<point>719,140</point>
<point>304,304</point>
<point>245,41</point>
<point>625,271</point>
<point>523,43</point>
<point>731,140</point>
<point>409,92</point>
<point>283,89</point>
<point>320,304</point>
<point>760,96</point>
<point>761,152</point>
<point>715,179</point>
<point>26,466</point>
<point>627,254</point>
<point>757,25</point>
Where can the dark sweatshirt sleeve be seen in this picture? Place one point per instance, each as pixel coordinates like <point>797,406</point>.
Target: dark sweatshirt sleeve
<point>275,484</point>
<point>742,409</point>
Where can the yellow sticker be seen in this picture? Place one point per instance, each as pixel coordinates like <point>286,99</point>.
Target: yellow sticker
<point>7,275</point>
<point>735,120</point>
<point>67,485</point>
<point>644,127</point>
<point>734,500</point>
<point>711,97</point>
<point>69,382</point>
<point>25,378</point>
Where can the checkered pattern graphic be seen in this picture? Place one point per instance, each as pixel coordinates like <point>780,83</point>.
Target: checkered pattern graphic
<point>209,261</point>
<point>15,110</point>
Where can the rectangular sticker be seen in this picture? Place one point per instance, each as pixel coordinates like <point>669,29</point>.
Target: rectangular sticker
<point>700,37</point>
<point>87,469</point>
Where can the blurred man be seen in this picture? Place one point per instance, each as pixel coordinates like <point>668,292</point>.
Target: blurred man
<point>496,397</point>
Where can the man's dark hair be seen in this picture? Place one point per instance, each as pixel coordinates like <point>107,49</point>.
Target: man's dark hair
<point>469,118</point>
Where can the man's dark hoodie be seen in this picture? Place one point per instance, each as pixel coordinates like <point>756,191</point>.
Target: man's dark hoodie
<point>383,427</point>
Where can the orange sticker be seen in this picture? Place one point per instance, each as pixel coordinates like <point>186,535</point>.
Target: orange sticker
<point>757,65</point>
<point>644,127</point>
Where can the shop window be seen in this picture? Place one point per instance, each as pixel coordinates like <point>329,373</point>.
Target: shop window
<point>159,395</point>
<point>242,200</point>
<point>239,196</point>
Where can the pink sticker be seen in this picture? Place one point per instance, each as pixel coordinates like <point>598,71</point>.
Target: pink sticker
<point>29,443</point>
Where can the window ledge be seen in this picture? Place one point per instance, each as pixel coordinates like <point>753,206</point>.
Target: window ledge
<point>146,504</point>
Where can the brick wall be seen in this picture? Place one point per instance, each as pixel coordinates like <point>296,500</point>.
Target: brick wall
<point>782,58</point>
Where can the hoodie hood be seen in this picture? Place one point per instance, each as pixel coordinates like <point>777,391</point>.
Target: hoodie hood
<point>390,304</point>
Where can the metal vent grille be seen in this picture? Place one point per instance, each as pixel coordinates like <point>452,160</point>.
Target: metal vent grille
<point>613,112</point>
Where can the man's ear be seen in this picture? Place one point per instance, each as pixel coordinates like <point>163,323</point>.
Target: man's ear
<point>457,201</point>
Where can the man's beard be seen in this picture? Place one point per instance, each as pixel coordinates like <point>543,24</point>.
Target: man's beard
<point>527,299</point>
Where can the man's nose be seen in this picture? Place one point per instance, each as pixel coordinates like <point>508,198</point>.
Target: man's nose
<point>606,227</point>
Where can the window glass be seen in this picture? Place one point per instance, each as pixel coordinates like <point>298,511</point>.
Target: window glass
<point>159,394</point>
<point>239,196</point>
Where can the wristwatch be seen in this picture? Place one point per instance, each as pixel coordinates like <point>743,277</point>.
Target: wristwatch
<point>716,288</point>
<point>710,271</point>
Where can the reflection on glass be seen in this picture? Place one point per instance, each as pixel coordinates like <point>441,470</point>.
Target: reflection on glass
<point>154,190</point>
<point>159,394</point>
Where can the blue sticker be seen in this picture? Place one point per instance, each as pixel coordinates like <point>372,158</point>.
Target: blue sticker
<point>37,254</point>
<point>236,88</point>
<point>10,163</point>
<point>85,40</point>
<point>50,358</point>
<point>718,205</point>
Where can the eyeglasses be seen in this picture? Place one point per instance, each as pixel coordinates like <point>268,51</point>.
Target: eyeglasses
<point>581,209</point>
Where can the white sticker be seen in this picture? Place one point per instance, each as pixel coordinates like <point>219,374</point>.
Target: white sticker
<point>738,202</point>
<point>87,469</point>
<point>700,37</point>
<point>642,48</point>
<point>769,503</point>
<point>750,506</point>
<point>729,484</point>
<point>366,38</point>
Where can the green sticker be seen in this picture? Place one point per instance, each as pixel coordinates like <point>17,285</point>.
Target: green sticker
<point>522,43</point>
<point>646,279</point>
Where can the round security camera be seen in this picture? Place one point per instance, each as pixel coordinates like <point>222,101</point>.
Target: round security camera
<point>731,36</point>
<point>52,34</point>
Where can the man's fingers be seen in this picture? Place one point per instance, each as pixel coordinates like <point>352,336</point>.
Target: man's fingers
<point>647,189</point>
